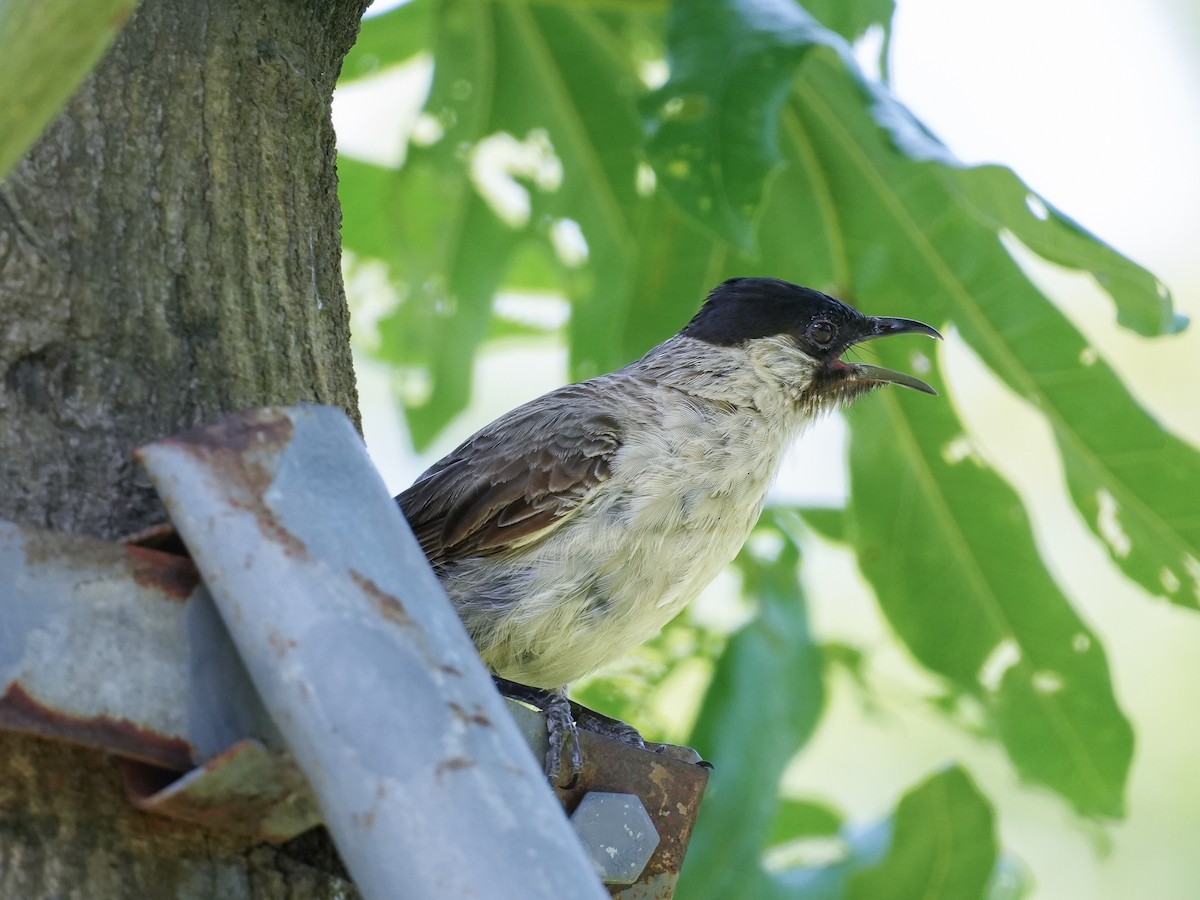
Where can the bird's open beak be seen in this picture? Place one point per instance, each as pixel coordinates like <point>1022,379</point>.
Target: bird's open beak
<point>882,326</point>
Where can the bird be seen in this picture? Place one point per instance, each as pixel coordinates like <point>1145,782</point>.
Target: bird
<point>573,528</point>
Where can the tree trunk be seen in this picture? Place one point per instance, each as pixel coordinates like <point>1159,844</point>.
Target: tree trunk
<point>169,252</point>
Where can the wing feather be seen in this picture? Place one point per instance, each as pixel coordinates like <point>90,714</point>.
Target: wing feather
<point>517,478</point>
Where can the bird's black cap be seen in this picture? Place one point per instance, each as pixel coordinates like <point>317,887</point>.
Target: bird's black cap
<point>742,309</point>
<point>823,327</point>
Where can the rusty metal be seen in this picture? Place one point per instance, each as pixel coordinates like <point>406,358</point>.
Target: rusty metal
<point>668,780</point>
<point>424,781</point>
<point>248,790</point>
<point>671,791</point>
<point>92,644</point>
<point>117,648</point>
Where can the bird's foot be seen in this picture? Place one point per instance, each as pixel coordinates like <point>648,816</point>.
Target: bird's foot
<point>562,732</point>
<point>598,723</point>
<point>564,755</point>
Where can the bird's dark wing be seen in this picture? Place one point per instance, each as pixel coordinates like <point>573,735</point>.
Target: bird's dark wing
<point>515,479</point>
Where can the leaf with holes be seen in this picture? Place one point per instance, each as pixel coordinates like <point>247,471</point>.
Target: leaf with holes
<point>913,239</point>
<point>947,546</point>
<point>531,137</point>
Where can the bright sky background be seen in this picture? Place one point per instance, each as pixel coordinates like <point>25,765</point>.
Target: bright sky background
<point>1096,104</point>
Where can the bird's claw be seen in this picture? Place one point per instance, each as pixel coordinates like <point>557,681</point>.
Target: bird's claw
<point>563,734</point>
<point>598,723</point>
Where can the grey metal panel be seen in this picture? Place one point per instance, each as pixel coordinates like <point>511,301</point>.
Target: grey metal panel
<point>93,643</point>
<point>426,784</point>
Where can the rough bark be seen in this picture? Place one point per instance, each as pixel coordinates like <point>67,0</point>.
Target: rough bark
<point>169,252</point>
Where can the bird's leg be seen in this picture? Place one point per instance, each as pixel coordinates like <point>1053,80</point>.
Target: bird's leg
<point>560,727</point>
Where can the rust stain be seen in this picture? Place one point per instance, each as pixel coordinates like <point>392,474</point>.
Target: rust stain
<point>21,711</point>
<point>280,644</point>
<point>237,450</point>
<point>387,604</point>
<point>366,820</point>
<point>241,432</point>
<point>173,577</point>
<point>453,764</point>
<point>68,551</point>
<point>167,574</point>
<point>270,526</point>
<point>161,536</point>
<point>476,718</point>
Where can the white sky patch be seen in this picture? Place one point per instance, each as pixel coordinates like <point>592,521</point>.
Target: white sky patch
<point>957,450</point>
<point>765,545</point>
<point>374,116</point>
<point>868,50</point>
<point>1110,526</point>
<point>920,362</point>
<point>1193,569</point>
<point>427,130</point>
<point>500,159</point>
<point>1088,356</point>
<point>647,181</point>
<point>1081,643</point>
<point>379,7</point>
<point>1052,119</point>
<point>814,469</point>
<point>371,294</point>
<point>1003,657</point>
<point>570,246</point>
<point>1169,580</point>
<point>548,311</point>
<point>1037,207</point>
<point>414,385</point>
<point>654,73</point>
<point>1046,682</point>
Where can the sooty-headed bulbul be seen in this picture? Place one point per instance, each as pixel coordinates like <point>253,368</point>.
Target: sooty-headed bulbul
<point>574,527</point>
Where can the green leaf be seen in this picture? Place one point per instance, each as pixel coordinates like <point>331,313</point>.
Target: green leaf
<point>713,128</point>
<point>549,77</point>
<point>374,231</point>
<point>943,845</point>
<point>829,522</point>
<point>930,525</point>
<point>678,263</point>
<point>764,701</point>
<point>940,843</point>
<point>389,39</point>
<point>1005,203</point>
<point>796,819</point>
<point>913,245</point>
<point>47,48</point>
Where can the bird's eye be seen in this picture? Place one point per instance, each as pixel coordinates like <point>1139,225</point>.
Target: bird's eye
<point>821,332</point>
